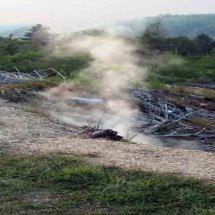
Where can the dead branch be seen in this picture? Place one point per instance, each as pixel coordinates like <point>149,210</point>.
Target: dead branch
<point>169,120</point>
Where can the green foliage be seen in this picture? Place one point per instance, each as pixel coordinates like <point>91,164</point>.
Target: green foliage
<point>175,69</point>
<point>84,80</point>
<point>154,37</point>
<point>181,45</point>
<point>29,61</point>
<point>204,44</point>
<point>35,84</point>
<point>9,46</point>
<point>174,72</point>
<point>38,36</point>
<point>155,84</point>
<point>26,62</point>
<point>30,54</point>
<point>204,66</point>
<point>66,185</point>
<point>201,45</point>
<point>69,65</point>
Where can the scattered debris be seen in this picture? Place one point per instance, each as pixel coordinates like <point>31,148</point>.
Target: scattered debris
<point>12,78</point>
<point>186,112</point>
<point>18,77</point>
<point>169,120</point>
<point>19,87</point>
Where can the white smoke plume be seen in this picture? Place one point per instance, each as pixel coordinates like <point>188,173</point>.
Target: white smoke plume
<point>114,68</point>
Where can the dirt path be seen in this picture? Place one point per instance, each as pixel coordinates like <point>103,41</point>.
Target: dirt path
<point>22,132</point>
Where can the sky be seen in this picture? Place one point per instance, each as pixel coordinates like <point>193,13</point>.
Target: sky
<point>81,13</point>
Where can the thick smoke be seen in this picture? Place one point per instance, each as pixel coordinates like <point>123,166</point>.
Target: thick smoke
<point>113,70</point>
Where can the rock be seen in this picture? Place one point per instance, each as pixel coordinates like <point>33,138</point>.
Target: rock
<point>106,134</point>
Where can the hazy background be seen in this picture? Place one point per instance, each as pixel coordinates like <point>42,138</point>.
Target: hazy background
<point>76,14</point>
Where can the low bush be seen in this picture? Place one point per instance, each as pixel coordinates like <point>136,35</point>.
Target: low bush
<point>193,69</point>
<point>29,61</point>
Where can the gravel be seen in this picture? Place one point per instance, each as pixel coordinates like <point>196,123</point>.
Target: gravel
<point>28,133</point>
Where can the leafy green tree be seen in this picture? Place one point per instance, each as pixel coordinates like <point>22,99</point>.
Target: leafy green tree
<point>154,36</point>
<point>10,45</point>
<point>204,44</point>
<point>38,36</point>
<point>181,46</point>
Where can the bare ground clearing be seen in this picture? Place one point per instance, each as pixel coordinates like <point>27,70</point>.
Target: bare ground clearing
<point>22,132</point>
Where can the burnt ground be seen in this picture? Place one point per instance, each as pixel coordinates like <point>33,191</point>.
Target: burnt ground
<point>25,132</point>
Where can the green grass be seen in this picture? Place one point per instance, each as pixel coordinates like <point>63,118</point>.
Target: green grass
<point>59,184</point>
<point>155,84</point>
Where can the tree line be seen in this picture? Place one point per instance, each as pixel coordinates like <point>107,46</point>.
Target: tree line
<point>35,39</point>
<point>34,51</point>
<point>155,38</point>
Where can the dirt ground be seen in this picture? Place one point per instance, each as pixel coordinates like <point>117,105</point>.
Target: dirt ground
<point>23,132</point>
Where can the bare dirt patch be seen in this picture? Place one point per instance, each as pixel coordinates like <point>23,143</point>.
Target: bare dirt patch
<point>28,133</point>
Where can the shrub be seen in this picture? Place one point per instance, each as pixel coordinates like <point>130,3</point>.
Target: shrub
<point>29,61</point>
<point>180,70</point>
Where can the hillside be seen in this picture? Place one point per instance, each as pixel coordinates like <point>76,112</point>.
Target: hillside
<point>190,26</point>
<point>173,25</point>
<point>18,30</point>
